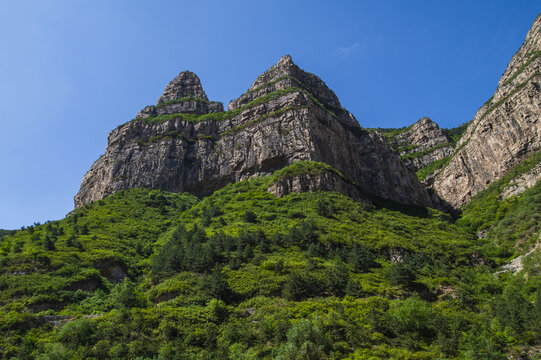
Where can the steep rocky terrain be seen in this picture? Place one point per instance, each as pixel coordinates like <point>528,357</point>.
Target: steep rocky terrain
<point>185,144</point>
<point>505,130</point>
<point>421,144</point>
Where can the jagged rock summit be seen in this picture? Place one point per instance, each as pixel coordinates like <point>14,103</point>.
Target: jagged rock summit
<point>422,144</point>
<point>186,84</point>
<point>505,130</point>
<point>184,94</point>
<point>186,144</point>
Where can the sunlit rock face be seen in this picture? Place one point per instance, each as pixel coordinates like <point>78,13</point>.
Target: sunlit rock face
<point>505,130</point>
<point>287,115</point>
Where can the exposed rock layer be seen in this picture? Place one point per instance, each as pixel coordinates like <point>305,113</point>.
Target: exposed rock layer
<point>184,94</point>
<point>286,116</point>
<point>503,132</point>
<point>423,143</point>
<point>523,182</point>
<point>324,181</point>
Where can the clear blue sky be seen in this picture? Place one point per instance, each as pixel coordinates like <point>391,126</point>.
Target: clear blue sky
<point>71,71</point>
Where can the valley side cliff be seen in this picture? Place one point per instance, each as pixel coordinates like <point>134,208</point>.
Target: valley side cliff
<point>505,130</point>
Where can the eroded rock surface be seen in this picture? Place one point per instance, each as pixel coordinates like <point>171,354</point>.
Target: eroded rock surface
<point>184,94</point>
<point>324,181</point>
<point>287,115</point>
<point>423,143</point>
<point>503,132</point>
<point>522,183</point>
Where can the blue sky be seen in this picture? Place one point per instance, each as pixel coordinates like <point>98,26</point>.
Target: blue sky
<point>71,71</point>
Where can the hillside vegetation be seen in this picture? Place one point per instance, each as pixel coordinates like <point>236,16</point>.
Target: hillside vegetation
<point>241,274</point>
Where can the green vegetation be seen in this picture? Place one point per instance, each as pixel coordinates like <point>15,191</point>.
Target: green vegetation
<point>456,133</point>
<point>235,129</point>
<point>436,165</point>
<point>424,152</point>
<point>181,100</point>
<point>390,133</point>
<point>242,274</point>
<point>275,82</point>
<point>220,116</point>
<point>515,221</point>
<point>516,89</point>
<point>304,167</point>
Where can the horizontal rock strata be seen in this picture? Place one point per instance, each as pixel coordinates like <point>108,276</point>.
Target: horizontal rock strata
<point>287,115</point>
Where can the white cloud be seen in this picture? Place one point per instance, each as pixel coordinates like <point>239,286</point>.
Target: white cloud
<point>346,50</point>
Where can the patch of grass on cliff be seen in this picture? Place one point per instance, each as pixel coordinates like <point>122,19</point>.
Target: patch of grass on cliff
<point>532,57</point>
<point>235,129</point>
<point>305,168</point>
<point>270,83</point>
<point>389,133</point>
<point>220,116</point>
<point>516,89</point>
<point>424,152</point>
<point>423,173</point>
<point>181,100</point>
<point>300,85</point>
<point>456,133</point>
<point>511,221</point>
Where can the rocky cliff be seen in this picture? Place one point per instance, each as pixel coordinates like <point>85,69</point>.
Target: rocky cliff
<point>186,143</point>
<point>422,143</point>
<point>505,130</point>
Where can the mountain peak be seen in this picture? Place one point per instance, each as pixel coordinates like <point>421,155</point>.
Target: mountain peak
<point>184,94</point>
<point>185,84</point>
<point>288,115</point>
<point>286,74</point>
<point>285,60</point>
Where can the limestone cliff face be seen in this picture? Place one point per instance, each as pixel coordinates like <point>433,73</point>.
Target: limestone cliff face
<point>287,115</point>
<point>503,132</point>
<point>184,94</point>
<point>422,144</point>
<point>323,181</point>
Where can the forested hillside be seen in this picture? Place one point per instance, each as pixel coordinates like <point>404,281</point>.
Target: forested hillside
<point>242,274</point>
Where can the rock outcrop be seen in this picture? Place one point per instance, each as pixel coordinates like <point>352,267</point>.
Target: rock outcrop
<point>422,144</point>
<point>287,115</point>
<point>184,94</point>
<point>323,181</point>
<point>523,182</point>
<point>505,130</point>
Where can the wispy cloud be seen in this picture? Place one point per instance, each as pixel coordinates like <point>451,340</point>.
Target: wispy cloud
<point>346,50</point>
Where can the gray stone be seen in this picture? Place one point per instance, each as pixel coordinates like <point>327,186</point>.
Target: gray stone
<point>303,123</point>
<point>422,136</point>
<point>505,130</point>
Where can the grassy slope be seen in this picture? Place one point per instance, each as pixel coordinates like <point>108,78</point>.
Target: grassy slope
<point>515,221</point>
<point>242,274</point>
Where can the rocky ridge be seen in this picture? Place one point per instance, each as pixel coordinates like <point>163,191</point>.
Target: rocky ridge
<point>287,115</point>
<point>505,130</point>
<point>423,143</point>
<point>184,94</point>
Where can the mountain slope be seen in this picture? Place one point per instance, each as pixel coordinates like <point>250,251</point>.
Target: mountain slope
<point>244,273</point>
<point>286,116</point>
